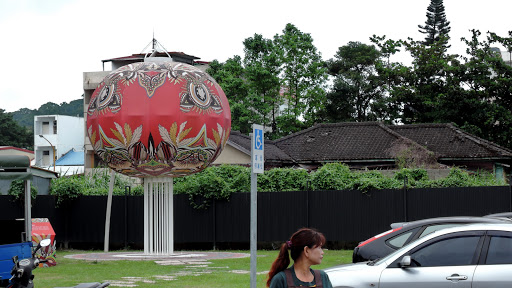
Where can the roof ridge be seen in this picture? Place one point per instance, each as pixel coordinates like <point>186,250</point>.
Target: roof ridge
<point>479,141</point>
<point>414,125</point>
<point>400,136</point>
<point>320,125</point>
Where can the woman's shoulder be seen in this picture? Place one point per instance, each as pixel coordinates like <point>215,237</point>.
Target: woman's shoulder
<point>279,280</point>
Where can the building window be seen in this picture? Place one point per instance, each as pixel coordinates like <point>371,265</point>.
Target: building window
<point>46,153</point>
<point>45,128</point>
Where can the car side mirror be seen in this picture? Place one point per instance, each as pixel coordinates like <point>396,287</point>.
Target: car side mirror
<point>405,262</point>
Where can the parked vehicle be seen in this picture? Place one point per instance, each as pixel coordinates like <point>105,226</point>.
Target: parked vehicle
<point>22,270</point>
<point>402,233</point>
<point>502,214</point>
<point>475,255</point>
<point>7,252</point>
<point>22,276</point>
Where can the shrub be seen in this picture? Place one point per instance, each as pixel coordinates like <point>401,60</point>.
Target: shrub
<point>67,188</point>
<point>331,176</point>
<point>219,182</point>
<point>202,188</point>
<point>17,189</point>
<point>365,181</point>
<point>283,179</point>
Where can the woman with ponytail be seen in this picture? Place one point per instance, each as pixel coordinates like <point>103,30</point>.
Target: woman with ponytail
<point>305,249</point>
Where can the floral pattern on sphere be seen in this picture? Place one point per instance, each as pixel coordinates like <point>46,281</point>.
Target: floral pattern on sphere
<point>158,119</point>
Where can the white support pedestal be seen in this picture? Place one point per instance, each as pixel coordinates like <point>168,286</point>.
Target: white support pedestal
<point>158,216</point>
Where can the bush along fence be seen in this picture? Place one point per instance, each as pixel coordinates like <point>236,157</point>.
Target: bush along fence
<point>344,216</point>
<point>220,182</point>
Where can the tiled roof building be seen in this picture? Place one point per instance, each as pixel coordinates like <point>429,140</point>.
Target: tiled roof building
<point>375,145</point>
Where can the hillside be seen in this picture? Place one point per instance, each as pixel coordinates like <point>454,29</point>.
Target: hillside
<point>25,117</point>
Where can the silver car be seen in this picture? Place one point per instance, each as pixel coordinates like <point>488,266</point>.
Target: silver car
<point>472,256</point>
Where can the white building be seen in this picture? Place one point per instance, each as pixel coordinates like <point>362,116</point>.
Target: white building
<point>56,135</point>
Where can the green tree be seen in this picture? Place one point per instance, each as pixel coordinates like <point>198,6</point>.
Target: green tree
<point>436,26</point>
<point>12,134</point>
<point>262,74</point>
<point>49,108</point>
<point>391,76</point>
<point>356,83</point>
<point>303,79</point>
<point>487,80</point>
<point>231,77</point>
<point>424,84</point>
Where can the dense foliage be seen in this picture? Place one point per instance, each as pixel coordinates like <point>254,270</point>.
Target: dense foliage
<point>219,182</point>
<point>12,134</point>
<point>97,183</point>
<point>280,83</point>
<point>25,117</point>
<point>17,189</point>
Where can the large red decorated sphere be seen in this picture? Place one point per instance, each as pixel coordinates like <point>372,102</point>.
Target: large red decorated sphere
<point>158,119</point>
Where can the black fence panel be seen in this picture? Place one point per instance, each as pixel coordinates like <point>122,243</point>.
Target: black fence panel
<point>10,208</point>
<point>343,216</point>
<point>458,201</point>
<point>191,225</point>
<point>232,219</point>
<point>353,216</point>
<point>280,214</point>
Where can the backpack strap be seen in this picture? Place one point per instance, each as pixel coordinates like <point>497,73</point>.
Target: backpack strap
<point>289,278</point>
<point>291,284</point>
<point>318,279</point>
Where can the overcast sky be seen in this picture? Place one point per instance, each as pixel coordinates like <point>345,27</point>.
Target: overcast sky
<point>48,44</point>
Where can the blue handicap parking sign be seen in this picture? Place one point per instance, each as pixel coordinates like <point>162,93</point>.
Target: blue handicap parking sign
<point>258,141</point>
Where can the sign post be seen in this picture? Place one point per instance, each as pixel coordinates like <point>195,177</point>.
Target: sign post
<point>257,167</point>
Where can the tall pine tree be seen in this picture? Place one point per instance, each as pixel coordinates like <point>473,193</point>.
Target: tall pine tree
<point>436,27</point>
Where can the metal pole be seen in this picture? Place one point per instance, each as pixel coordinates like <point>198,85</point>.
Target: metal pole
<point>127,190</point>
<point>28,212</point>
<point>254,227</point>
<point>146,216</point>
<point>214,220</point>
<point>405,199</point>
<point>257,166</point>
<point>170,203</point>
<point>109,208</point>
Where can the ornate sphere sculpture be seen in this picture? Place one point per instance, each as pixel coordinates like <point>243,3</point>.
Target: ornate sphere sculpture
<point>152,119</point>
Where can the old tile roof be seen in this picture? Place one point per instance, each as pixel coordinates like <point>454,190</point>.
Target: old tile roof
<point>372,141</point>
<point>341,142</point>
<point>450,142</point>
<point>272,152</point>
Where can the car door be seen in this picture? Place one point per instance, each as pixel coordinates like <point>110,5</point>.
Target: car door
<point>495,266</point>
<point>445,261</point>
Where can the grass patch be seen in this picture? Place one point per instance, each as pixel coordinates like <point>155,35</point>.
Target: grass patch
<point>220,273</point>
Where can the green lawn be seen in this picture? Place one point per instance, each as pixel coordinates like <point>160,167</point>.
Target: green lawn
<point>220,273</point>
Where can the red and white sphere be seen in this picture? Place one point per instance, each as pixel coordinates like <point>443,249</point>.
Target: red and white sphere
<point>158,119</point>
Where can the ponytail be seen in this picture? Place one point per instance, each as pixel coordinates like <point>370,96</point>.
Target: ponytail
<point>282,261</point>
